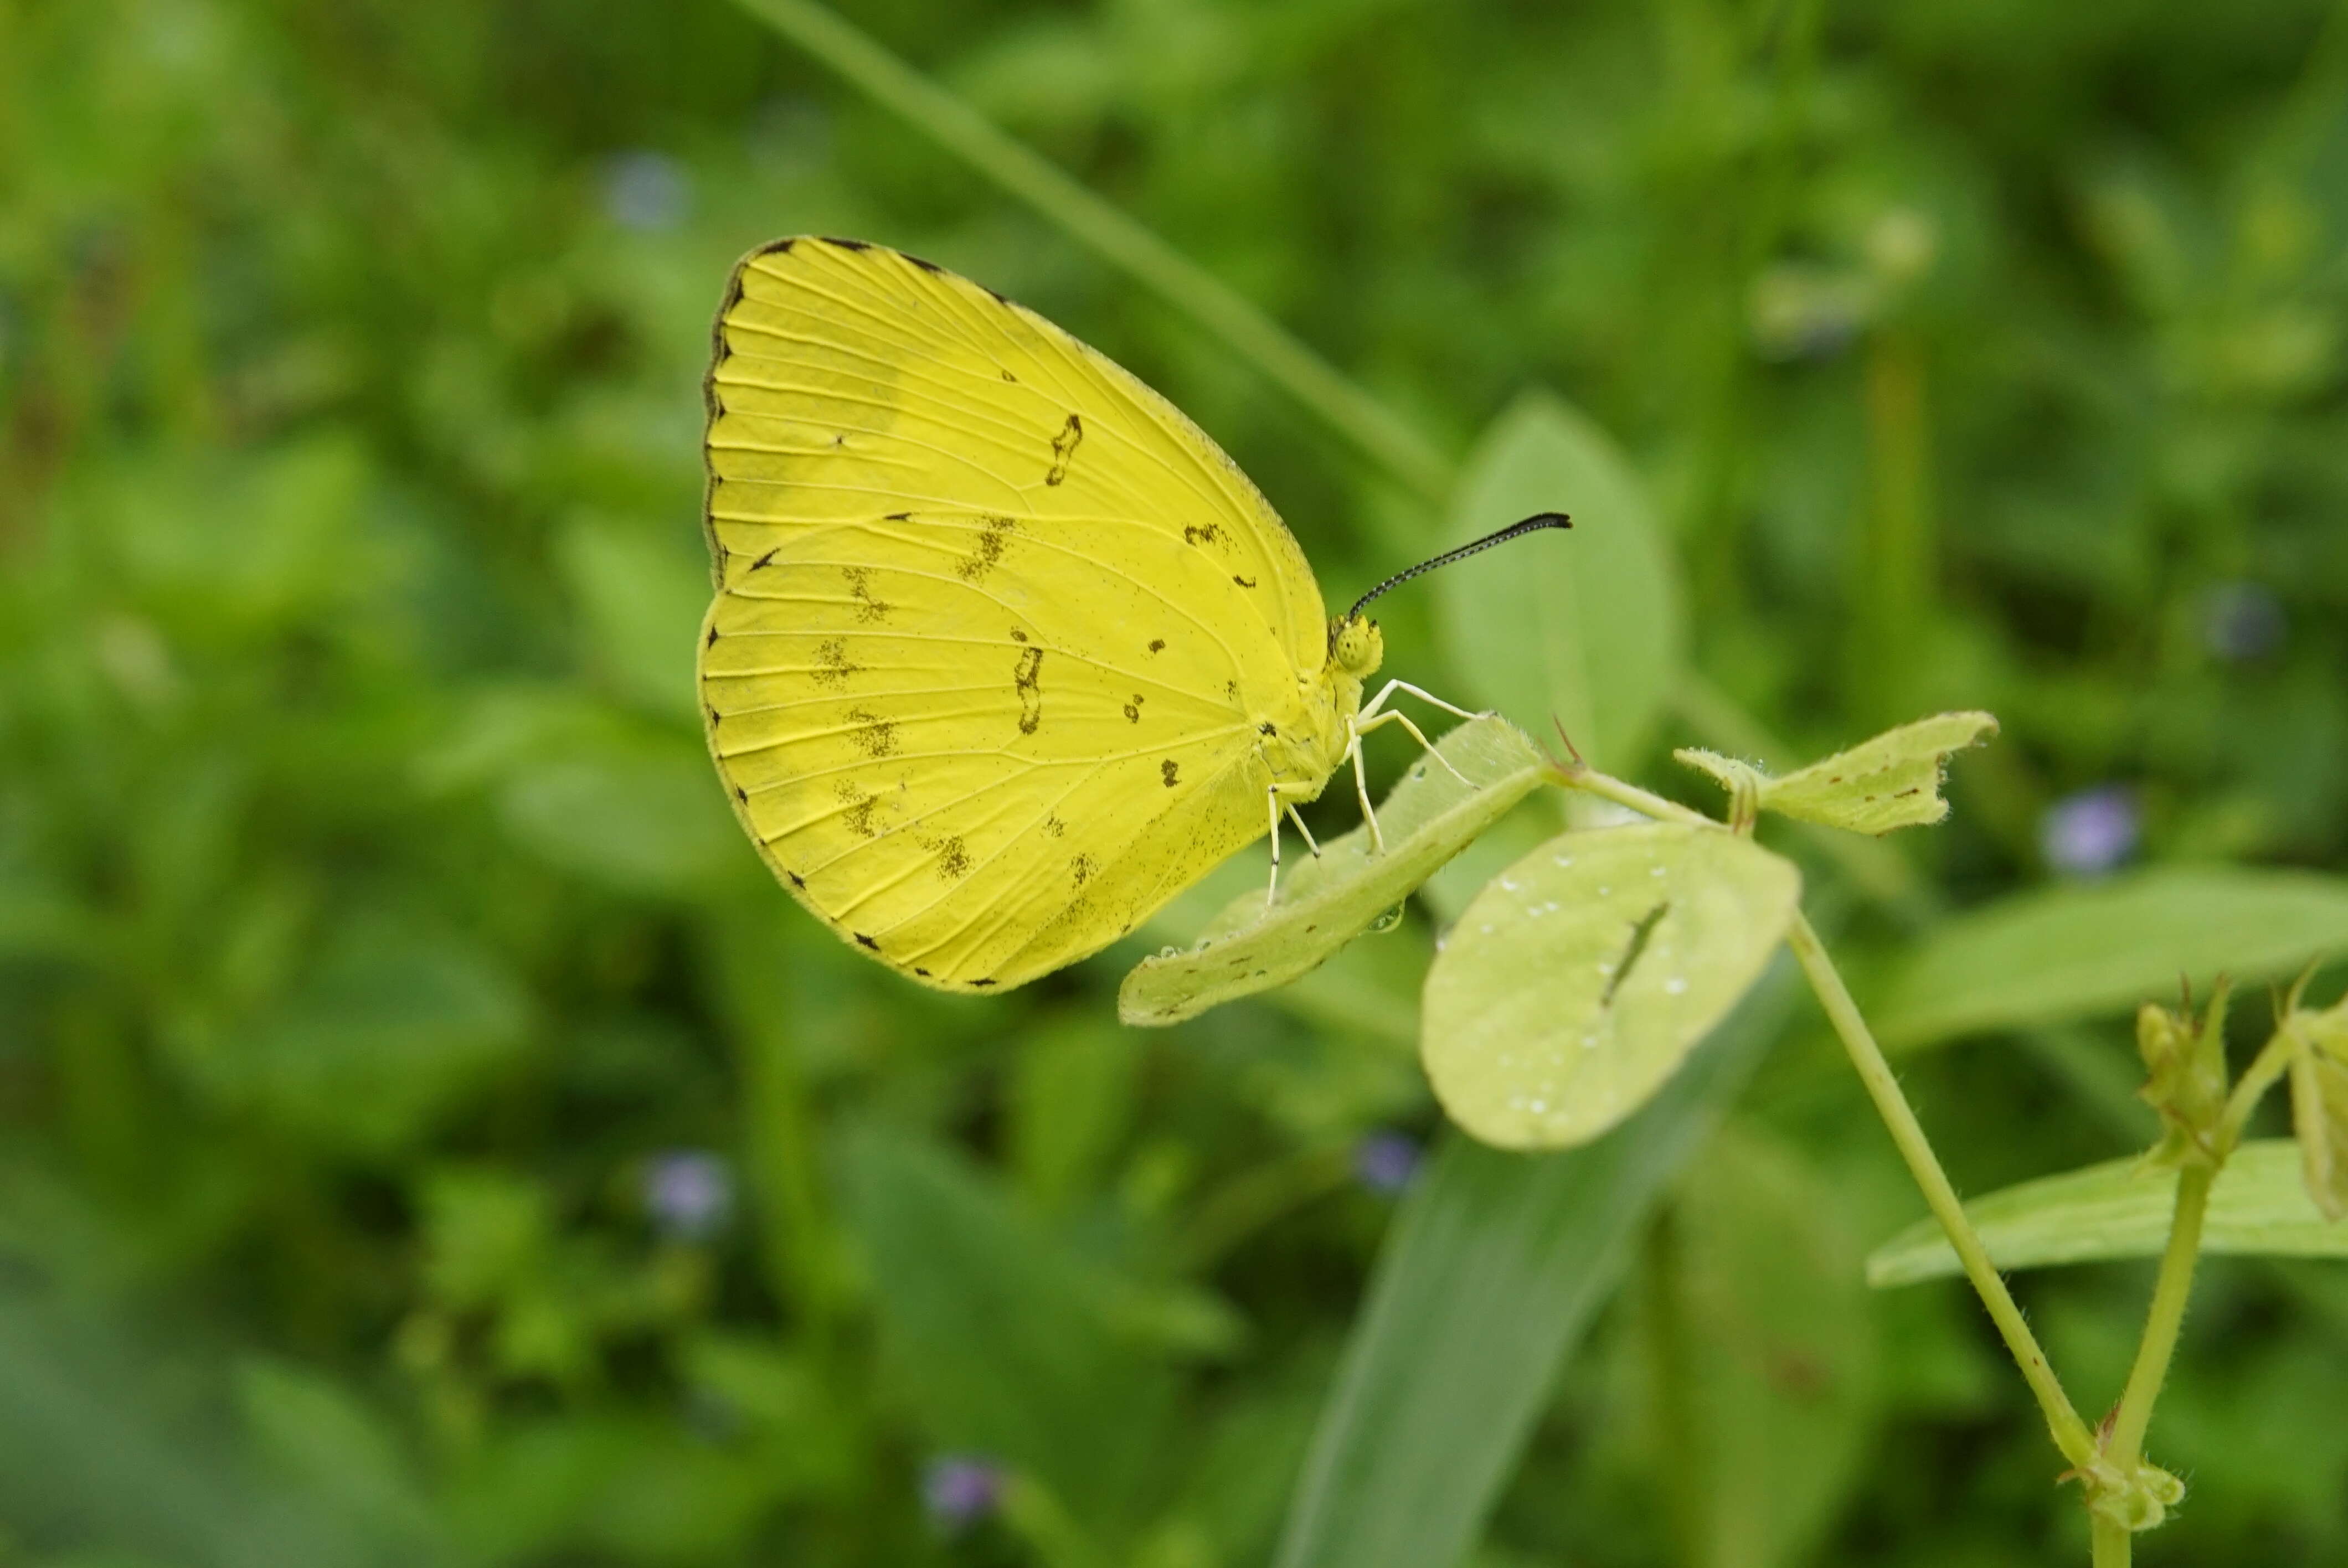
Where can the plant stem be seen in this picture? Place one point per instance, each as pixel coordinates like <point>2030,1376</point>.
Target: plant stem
<point>2167,1316</point>
<point>1589,781</point>
<point>2070,1433</point>
<point>1386,439</point>
<point>2269,1064</point>
<point>2114,1546</point>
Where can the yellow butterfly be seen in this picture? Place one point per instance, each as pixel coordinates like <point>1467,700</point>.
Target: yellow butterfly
<point>1005,651</point>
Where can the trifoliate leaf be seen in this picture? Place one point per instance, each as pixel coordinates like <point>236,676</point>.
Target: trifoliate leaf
<point>1892,781</point>
<point>1327,901</point>
<point>1579,978</point>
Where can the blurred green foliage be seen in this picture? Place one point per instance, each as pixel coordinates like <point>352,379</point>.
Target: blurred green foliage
<point>379,969</point>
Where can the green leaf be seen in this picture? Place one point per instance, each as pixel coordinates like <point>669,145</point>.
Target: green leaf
<point>391,1030</point>
<point>1582,627</point>
<point>642,604</point>
<point>1779,1344</point>
<point>2319,1116</point>
<point>2121,1209</point>
<point>338,1450</point>
<point>1495,1265</point>
<point>1071,1096</point>
<point>2065,953</point>
<point>2319,1100</point>
<point>1009,1344</point>
<point>1581,977</point>
<point>1326,902</point>
<point>642,814</point>
<point>604,1487</point>
<point>1892,781</point>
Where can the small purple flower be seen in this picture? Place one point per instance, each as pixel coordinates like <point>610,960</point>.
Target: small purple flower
<point>2090,833</point>
<point>1386,1161</point>
<point>2243,622</point>
<point>959,1490</point>
<point>688,1193</point>
<point>646,191</point>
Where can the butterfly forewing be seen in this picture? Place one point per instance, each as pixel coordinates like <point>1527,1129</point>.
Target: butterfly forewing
<point>996,627</point>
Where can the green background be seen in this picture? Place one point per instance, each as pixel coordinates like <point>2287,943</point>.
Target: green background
<point>372,932</point>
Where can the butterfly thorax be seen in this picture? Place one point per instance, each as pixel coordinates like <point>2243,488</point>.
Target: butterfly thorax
<point>1310,742</point>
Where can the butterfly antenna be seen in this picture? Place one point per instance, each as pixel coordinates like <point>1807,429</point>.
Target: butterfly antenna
<point>1533,524</point>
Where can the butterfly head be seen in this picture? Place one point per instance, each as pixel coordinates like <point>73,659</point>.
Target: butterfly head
<point>1355,645</point>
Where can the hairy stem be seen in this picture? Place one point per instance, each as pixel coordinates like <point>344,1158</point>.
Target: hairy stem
<point>2114,1546</point>
<point>2168,1315</point>
<point>2269,1065</point>
<point>2070,1433</point>
<point>1589,781</point>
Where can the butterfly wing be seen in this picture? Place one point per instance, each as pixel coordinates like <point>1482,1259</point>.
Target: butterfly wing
<point>996,629</point>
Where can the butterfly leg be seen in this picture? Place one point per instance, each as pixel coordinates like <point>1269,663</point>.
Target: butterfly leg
<point>1307,832</point>
<point>1275,808</point>
<point>1362,787</point>
<point>1375,712</point>
<point>1271,808</point>
<point>1395,716</point>
<point>1377,703</point>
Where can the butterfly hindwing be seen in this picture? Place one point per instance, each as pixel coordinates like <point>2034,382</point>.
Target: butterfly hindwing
<point>977,675</point>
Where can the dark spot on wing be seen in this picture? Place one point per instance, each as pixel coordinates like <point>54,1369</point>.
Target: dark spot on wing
<point>860,590</point>
<point>1169,771</point>
<point>925,266</point>
<point>876,735</point>
<point>1158,645</point>
<point>711,641</point>
<point>1054,827</point>
<point>1026,680</point>
<point>980,985</point>
<point>864,941</point>
<point>1082,868</point>
<point>1231,690</point>
<point>767,559</point>
<point>1202,534</point>
<point>715,718</point>
<point>741,794</point>
<point>776,247</point>
<point>860,809</point>
<point>1242,581</point>
<point>1133,710</point>
<point>798,881</point>
<point>993,533</point>
<point>832,667</point>
<point>1268,728</point>
<point>1011,378</point>
<point>921,971</point>
<point>897,517</point>
<point>848,244</point>
<point>953,859</point>
<point>1064,447</point>
<point>1017,635</point>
